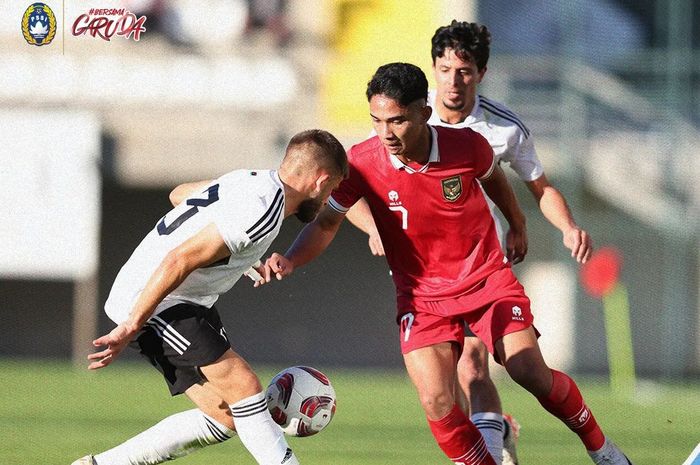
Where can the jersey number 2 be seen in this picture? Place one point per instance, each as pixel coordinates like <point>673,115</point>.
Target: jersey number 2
<point>212,196</point>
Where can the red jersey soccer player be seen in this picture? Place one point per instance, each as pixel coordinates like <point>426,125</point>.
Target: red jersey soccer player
<point>440,241</point>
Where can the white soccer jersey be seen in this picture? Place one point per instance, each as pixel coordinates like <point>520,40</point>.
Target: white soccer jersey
<point>506,133</point>
<point>246,206</point>
<point>508,136</point>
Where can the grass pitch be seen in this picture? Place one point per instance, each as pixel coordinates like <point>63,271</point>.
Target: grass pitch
<point>51,413</point>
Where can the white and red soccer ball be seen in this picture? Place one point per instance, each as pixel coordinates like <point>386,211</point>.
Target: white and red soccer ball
<point>301,400</point>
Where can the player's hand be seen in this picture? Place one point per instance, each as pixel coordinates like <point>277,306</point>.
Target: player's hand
<point>116,341</point>
<point>516,245</point>
<point>580,243</point>
<point>375,244</point>
<point>277,265</point>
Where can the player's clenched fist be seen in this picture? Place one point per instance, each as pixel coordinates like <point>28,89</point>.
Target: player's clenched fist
<point>278,265</point>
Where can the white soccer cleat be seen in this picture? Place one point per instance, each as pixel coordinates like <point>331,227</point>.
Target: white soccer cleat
<point>87,460</point>
<point>609,454</point>
<point>510,438</point>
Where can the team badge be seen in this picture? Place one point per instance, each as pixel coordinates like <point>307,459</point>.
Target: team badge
<point>38,24</point>
<point>452,188</point>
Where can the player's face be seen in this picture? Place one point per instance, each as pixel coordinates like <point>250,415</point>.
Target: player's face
<point>456,81</point>
<point>398,127</point>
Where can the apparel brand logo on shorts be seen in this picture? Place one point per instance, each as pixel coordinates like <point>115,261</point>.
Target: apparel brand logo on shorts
<point>518,313</point>
<point>38,24</point>
<point>452,188</point>
<point>106,22</point>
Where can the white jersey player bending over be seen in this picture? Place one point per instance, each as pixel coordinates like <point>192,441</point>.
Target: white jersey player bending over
<point>163,297</point>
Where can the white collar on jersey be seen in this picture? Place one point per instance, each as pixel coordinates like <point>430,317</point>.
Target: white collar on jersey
<point>434,156</point>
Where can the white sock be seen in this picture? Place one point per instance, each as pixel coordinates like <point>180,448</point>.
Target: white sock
<point>262,437</point>
<point>173,437</point>
<point>490,425</point>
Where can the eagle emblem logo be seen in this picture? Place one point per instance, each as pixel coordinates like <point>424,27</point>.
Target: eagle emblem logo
<point>452,188</point>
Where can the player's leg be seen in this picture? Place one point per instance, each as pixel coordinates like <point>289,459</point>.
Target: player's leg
<point>176,435</point>
<point>240,389</point>
<point>474,377</point>
<point>557,393</point>
<point>176,342</point>
<point>431,347</point>
<point>481,394</point>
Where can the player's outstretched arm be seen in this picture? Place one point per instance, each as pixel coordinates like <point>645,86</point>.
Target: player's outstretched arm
<point>202,249</point>
<point>183,191</point>
<point>309,244</point>
<point>554,207</point>
<point>361,217</point>
<point>500,191</point>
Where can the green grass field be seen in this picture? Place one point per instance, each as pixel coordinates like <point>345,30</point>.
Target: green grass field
<point>51,414</point>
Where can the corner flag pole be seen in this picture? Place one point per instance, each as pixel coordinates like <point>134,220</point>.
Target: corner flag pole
<point>600,278</point>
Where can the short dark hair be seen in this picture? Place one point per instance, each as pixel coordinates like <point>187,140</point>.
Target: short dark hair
<point>470,41</point>
<point>402,82</point>
<point>331,155</point>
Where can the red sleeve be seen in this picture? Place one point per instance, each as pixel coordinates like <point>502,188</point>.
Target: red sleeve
<point>484,161</point>
<point>347,193</point>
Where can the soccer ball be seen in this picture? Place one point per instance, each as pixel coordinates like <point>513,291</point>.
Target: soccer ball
<point>301,400</point>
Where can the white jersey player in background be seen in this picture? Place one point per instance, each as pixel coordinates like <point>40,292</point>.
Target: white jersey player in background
<point>460,53</point>
<point>162,301</point>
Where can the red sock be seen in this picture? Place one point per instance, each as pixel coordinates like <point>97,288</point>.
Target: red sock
<point>566,403</point>
<point>459,439</point>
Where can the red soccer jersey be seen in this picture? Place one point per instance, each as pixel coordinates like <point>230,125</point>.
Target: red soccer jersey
<point>438,234</point>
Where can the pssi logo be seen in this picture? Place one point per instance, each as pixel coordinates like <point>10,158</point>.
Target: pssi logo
<point>38,24</point>
<point>106,22</point>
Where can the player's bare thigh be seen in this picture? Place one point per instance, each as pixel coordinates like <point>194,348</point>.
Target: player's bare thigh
<point>432,370</point>
<point>232,377</point>
<point>228,380</point>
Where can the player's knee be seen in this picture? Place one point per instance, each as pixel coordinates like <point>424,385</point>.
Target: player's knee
<point>246,385</point>
<point>472,366</point>
<point>436,403</point>
<point>237,383</point>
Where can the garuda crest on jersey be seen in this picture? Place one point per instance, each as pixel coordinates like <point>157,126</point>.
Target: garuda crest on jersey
<point>452,188</point>
<point>38,24</point>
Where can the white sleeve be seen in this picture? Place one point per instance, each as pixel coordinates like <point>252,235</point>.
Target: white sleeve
<point>234,211</point>
<point>230,223</point>
<point>522,158</point>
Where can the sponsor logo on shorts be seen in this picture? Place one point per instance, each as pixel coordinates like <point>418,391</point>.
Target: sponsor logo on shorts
<point>38,24</point>
<point>106,22</point>
<point>518,313</point>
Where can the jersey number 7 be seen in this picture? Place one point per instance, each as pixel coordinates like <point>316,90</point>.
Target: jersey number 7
<point>212,196</point>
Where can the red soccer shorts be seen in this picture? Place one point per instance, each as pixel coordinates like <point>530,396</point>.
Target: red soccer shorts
<point>498,307</point>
